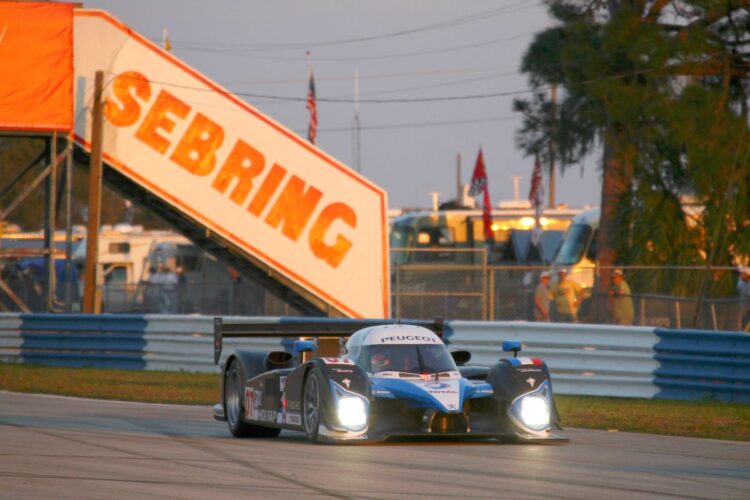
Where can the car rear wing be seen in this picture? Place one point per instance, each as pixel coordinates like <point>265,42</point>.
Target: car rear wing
<point>305,327</point>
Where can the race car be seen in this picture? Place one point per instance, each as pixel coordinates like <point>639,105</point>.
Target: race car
<point>388,380</point>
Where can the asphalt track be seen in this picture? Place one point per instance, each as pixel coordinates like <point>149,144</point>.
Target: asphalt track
<point>56,447</point>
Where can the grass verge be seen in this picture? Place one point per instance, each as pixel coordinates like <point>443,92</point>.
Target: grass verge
<point>124,385</point>
<point>705,419</point>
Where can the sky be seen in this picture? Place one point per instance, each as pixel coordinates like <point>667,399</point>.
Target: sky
<point>428,70</point>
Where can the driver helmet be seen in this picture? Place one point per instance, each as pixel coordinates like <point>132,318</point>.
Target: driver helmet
<point>380,361</point>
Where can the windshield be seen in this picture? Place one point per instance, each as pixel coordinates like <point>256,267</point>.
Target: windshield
<point>574,245</point>
<point>409,358</point>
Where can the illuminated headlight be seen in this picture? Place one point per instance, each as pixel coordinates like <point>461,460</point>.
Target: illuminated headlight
<point>534,412</point>
<point>352,413</point>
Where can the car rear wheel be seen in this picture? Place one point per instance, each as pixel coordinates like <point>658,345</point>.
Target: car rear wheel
<point>234,406</point>
<point>311,405</point>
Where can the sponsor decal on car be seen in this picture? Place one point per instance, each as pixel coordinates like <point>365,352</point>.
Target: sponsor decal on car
<point>293,419</point>
<point>265,415</point>
<point>337,361</point>
<point>529,370</point>
<point>436,385</point>
<point>395,334</point>
<point>401,339</point>
<point>253,399</point>
<point>293,405</point>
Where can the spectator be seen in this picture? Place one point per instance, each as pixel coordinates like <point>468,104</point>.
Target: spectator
<point>162,287</point>
<point>622,302</point>
<point>184,305</point>
<point>743,287</point>
<point>542,298</point>
<point>568,296</point>
<point>169,291</point>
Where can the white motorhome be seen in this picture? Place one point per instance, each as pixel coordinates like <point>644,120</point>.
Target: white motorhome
<point>578,250</point>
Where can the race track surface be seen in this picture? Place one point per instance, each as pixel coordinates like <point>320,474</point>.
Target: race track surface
<point>55,447</point>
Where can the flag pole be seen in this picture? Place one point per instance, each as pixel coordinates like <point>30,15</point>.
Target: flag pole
<point>312,107</point>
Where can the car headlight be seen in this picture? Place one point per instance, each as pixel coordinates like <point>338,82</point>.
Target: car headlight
<point>352,413</point>
<point>534,412</point>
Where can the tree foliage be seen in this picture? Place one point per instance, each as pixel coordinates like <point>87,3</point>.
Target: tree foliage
<point>661,88</point>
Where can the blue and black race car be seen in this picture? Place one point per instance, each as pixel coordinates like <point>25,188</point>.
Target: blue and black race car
<point>392,380</point>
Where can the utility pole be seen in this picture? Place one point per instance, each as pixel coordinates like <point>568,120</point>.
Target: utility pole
<point>553,99</point>
<point>516,188</point>
<point>95,198</point>
<point>459,187</point>
<point>356,130</point>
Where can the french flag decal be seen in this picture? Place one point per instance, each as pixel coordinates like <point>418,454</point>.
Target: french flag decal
<point>525,361</point>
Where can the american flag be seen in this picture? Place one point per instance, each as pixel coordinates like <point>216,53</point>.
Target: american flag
<point>312,129</point>
<point>479,185</point>
<point>536,198</point>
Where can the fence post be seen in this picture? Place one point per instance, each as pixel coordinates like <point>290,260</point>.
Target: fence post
<point>491,294</point>
<point>643,311</point>
<point>678,314</point>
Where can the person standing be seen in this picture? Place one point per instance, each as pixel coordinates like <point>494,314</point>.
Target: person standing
<point>622,301</point>
<point>568,296</point>
<point>542,298</point>
<point>743,287</point>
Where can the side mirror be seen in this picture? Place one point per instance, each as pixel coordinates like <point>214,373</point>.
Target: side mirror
<point>303,346</point>
<point>512,346</point>
<point>461,357</point>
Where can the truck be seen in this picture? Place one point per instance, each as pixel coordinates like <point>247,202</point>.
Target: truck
<point>456,236</point>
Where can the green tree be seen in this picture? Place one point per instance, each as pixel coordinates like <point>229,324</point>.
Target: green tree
<point>661,87</point>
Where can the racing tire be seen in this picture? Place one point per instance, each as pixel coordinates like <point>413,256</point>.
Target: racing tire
<point>234,406</point>
<point>312,404</point>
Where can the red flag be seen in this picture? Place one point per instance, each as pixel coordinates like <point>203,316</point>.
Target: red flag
<point>479,185</point>
<point>479,177</point>
<point>312,129</point>
<point>536,198</point>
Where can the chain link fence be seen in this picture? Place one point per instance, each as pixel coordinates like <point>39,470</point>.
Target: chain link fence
<point>430,283</point>
<point>483,292</point>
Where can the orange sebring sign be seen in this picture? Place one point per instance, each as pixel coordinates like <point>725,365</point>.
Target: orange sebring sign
<point>196,152</point>
<point>246,178</point>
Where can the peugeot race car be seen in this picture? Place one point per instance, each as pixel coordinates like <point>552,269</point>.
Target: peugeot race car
<point>386,381</point>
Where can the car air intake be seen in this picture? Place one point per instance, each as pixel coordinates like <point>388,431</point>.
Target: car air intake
<point>445,423</point>
<point>278,359</point>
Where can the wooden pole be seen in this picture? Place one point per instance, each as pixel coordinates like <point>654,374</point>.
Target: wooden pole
<point>95,198</point>
<point>50,194</point>
<point>553,99</point>
<point>69,228</point>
